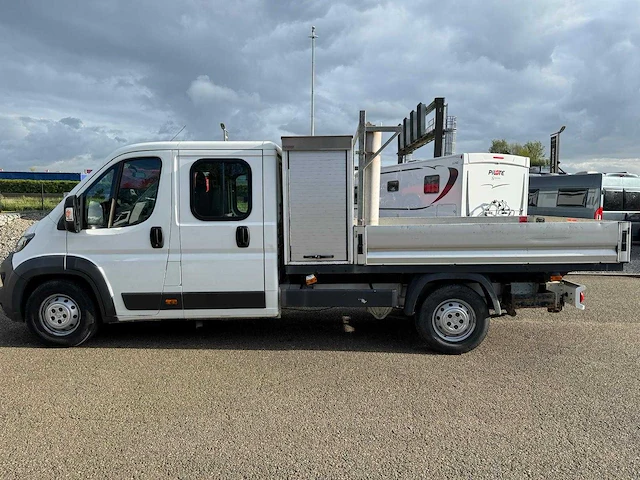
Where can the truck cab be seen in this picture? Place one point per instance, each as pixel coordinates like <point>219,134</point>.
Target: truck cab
<point>163,230</point>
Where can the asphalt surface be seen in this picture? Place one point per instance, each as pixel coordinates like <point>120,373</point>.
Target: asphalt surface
<point>545,396</point>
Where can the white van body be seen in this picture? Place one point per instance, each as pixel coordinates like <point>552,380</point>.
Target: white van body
<point>462,185</point>
<point>601,196</point>
<point>244,283</point>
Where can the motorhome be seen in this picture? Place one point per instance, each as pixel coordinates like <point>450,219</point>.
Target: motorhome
<point>209,230</point>
<point>602,196</point>
<point>462,185</point>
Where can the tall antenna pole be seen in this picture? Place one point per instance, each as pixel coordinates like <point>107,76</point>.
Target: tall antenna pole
<point>313,37</point>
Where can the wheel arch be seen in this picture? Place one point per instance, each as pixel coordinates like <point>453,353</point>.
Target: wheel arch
<point>421,285</point>
<point>36,271</point>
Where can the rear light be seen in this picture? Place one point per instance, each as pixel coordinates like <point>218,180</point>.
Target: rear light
<point>556,278</point>
<point>581,297</point>
<point>523,219</point>
<point>598,215</point>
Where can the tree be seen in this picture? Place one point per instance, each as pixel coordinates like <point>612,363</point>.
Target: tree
<point>500,146</point>
<point>533,150</point>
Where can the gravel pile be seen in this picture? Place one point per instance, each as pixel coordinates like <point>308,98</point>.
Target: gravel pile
<point>12,225</point>
<point>7,218</point>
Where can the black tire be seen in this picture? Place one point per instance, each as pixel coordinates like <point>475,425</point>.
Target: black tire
<point>453,319</point>
<point>61,313</point>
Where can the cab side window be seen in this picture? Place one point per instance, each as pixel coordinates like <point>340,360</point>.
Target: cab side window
<point>124,195</point>
<point>571,197</point>
<point>137,191</point>
<point>613,201</point>
<point>631,201</point>
<point>98,199</point>
<point>220,189</point>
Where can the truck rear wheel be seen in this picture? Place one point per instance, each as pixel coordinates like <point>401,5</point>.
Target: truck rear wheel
<point>61,313</point>
<point>453,319</point>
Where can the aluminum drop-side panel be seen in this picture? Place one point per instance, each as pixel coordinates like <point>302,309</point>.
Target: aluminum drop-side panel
<point>317,200</point>
<point>493,243</point>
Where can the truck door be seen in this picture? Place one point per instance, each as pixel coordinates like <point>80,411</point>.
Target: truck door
<point>126,225</point>
<point>221,223</point>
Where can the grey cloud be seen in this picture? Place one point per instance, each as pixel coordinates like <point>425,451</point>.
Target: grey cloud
<point>168,128</point>
<point>203,91</point>
<point>48,142</point>
<point>141,70</point>
<point>74,123</point>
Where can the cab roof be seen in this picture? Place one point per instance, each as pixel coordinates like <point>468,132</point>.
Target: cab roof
<point>196,145</point>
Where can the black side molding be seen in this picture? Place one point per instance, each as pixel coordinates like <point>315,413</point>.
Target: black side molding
<point>194,301</point>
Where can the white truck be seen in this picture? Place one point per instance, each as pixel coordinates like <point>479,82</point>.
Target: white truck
<point>467,184</point>
<point>204,230</point>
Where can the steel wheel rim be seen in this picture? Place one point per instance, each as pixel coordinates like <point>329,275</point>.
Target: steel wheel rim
<point>454,320</point>
<point>59,315</point>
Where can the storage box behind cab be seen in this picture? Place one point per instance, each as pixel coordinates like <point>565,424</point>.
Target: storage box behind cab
<point>318,199</point>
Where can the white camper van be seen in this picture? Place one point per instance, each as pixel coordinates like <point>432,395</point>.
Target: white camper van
<point>203,230</point>
<point>602,196</point>
<point>462,185</point>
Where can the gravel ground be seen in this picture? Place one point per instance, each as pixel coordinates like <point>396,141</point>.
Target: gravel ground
<point>545,396</point>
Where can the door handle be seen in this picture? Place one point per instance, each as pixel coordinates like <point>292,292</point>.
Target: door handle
<point>156,237</point>
<point>242,237</point>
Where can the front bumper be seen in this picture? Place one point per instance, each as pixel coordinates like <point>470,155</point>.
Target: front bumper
<point>8,281</point>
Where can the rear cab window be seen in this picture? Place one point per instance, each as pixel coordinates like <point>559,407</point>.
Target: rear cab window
<point>220,189</point>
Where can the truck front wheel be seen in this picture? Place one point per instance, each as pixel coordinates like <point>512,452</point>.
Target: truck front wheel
<point>453,319</point>
<point>61,313</point>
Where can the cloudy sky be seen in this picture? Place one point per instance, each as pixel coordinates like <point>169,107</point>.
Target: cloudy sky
<point>80,79</point>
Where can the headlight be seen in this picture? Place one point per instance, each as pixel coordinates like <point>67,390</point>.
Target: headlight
<point>24,240</point>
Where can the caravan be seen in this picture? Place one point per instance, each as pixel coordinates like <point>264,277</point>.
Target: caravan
<point>462,185</point>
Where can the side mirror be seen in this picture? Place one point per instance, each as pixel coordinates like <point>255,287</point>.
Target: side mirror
<point>72,214</point>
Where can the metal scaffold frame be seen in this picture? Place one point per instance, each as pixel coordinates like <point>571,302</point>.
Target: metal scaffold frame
<point>412,134</point>
<point>366,158</point>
